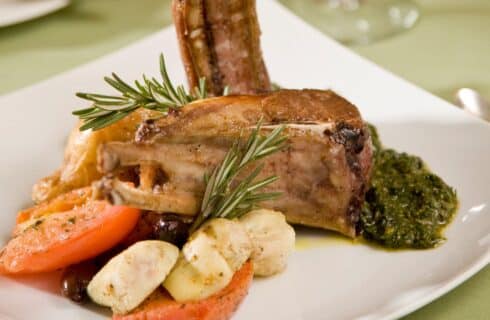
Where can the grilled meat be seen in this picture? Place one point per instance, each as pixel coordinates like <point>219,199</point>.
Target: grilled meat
<point>219,40</point>
<point>323,171</point>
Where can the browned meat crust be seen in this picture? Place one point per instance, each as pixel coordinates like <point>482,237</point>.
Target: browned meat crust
<point>323,171</point>
<point>220,41</point>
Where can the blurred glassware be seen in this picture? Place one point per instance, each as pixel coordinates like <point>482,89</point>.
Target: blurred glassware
<point>473,102</point>
<point>358,21</point>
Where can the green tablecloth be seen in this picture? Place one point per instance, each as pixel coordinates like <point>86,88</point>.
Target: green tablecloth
<point>448,49</point>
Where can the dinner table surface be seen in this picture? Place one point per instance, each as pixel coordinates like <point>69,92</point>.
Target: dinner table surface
<point>449,48</point>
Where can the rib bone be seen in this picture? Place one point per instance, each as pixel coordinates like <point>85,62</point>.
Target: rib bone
<point>220,41</point>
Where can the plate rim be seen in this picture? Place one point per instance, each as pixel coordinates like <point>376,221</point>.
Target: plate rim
<point>446,287</point>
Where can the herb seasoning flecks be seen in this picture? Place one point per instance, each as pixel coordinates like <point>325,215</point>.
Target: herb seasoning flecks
<point>406,206</point>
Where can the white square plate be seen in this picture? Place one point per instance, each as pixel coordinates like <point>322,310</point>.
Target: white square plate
<point>335,280</point>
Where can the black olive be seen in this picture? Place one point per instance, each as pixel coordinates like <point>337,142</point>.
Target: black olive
<point>171,228</point>
<point>75,280</point>
<point>158,226</point>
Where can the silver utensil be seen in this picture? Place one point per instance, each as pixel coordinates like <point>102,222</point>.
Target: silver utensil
<point>471,101</point>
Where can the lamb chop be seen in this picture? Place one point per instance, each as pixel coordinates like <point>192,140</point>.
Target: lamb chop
<point>219,41</point>
<point>323,171</point>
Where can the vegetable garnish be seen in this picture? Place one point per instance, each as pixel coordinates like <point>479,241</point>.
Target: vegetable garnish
<point>56,240</point>
<point>149,94</point>
<point>222,305</point>
<point>222,199</point>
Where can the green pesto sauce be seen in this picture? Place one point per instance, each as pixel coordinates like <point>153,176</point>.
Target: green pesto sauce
<point>406,206</point>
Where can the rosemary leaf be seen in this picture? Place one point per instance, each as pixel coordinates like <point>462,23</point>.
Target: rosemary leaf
<point>149,94</point>
<point>223,196</point>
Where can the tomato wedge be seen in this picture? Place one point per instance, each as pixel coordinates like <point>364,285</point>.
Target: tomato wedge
<point>49,241</point>
<point>221,306</point>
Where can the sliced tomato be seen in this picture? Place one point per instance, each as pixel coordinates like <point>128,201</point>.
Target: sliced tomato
<point>63,202</point>
<point>221,306</point>
<point>46,240</point>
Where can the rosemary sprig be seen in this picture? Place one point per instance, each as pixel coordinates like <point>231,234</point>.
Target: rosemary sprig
<point>149,94</point>
<point>222,199</point>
